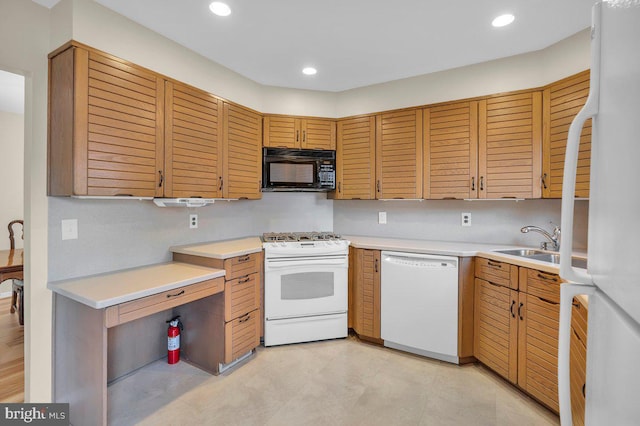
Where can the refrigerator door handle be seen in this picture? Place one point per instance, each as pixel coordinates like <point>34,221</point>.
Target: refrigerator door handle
<point>567,293</point>
<point>589,110</point>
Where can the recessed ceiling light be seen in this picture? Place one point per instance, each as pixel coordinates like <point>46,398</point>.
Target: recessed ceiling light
<point>309,71</point>
<point>220,9</point>
<point>503,20</point>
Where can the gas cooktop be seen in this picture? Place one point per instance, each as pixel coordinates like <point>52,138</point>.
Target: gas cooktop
<point>299,236</point>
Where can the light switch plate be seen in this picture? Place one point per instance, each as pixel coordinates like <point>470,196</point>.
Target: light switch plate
<point>69,229</point>
<point>382,218</point>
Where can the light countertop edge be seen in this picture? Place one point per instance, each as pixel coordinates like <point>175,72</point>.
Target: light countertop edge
<point>112,288</point>
<point>221,249</point>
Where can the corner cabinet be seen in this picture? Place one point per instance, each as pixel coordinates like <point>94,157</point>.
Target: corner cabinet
<point>242,163</point>
<point>516,326</point>
<point>106,126</point>
<point>399,154</point>
<point>562,102</point>
<point>193,142</point>
<point>365,289</point>
<point>299,132</point>
<point>510,145</point>
<point>355,159</point>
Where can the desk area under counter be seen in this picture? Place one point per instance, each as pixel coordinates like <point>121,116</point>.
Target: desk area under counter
<point>109,325</point>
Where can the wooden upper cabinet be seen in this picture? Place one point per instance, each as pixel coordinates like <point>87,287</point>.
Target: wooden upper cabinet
<point>299,132</point>
<point>399,154</point>
<point>510,146</point>
<point>451,151</point>
<point>242,177</point>
<point>355,159</point>
<point>562,101</point>
<point>106,126</point>
<point>193,142</point>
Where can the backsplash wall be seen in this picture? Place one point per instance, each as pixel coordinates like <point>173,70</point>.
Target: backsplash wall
<point>491,221</point>
<point>114,234</point>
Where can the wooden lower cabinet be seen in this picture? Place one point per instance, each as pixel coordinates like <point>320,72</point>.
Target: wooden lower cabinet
<point>516,331</point>
<point>365,287</point>
<point>578,363</point>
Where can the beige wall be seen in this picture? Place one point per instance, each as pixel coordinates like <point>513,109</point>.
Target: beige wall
<point>41,30</point>
<point>24,26</point>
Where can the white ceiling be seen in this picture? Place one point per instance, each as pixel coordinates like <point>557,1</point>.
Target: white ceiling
<point>355,43</point>
<point>11,92</point>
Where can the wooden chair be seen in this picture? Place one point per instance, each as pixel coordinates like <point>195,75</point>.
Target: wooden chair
<point>17,298</point>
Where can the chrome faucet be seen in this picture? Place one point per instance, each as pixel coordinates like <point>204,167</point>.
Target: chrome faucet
<point>554,238</point>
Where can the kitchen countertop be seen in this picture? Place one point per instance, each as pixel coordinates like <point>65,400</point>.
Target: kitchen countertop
<point>221,249</point>
<point>453,248</point>
<point>112,288</point>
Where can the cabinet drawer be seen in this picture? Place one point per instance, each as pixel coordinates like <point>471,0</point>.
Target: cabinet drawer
<point>241,335</point>
<point>241,295</point>
<point>497,272</point>
<point>129,311</point>
<point>239,266</point>
<point>540,284</point>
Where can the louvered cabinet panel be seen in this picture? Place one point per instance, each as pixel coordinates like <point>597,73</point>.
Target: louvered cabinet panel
<point>578,361</point>
<point>399,154</point>
<point>355,159</point>
<point>318,133</point>
<point>496,328</point>
<point>510,146</point>
<point>193,142</point>
<point>367,293</point>
<point>538,348</point>
<point>561,103</point>
<point>106,126</point>
<point>242,153</point>
<point>451,151</point>
<point>281,131</point>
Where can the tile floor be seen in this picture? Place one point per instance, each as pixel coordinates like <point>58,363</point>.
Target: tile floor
<point>337,382</point>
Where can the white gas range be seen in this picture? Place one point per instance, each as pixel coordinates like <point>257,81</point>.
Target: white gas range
<point>305,287</point>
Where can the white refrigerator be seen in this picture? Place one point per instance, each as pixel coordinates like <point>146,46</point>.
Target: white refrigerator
<point>612,278</point>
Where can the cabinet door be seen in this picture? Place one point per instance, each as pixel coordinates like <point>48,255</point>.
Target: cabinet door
<point>317,133</point>
<point>451,151</point>
<point>578,366</point>
<point>106,126</point>
<point>561,103</point>
<point>496,328</point>
<point>355,159</point>
<point>242,153</point>
<point>281,131</point>
<point>399,155</point>
<point>193,142</point>
<point>367,293</point>
<point>538,348</point>
<point>510,146</point>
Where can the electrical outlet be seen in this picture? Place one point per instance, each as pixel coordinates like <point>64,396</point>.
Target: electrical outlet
<point>193,221</point>
<point>382,218</point>
<point>465,219</point>
<point>69,229</point>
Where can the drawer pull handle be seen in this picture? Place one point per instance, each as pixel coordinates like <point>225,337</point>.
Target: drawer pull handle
<point>584,385</point>
<point>495,265</point>
<point>551,302</point>
<point>245,279</point>
<point>520,311</point>
<point>174,295</point>
<point>244,258</point>
<point>376,265</point>
<point>244,318</point>
<point>513,314</point>
<point>547,278</point>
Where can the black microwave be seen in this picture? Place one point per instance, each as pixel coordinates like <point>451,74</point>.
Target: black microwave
<point>286,169</point>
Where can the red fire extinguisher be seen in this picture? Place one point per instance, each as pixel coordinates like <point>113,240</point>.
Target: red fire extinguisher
<point>173,343</point>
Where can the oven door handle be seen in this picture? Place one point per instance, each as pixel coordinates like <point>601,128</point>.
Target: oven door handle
<point>288,263</point>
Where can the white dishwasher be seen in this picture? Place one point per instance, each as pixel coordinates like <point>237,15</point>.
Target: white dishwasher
<point>419,304</point>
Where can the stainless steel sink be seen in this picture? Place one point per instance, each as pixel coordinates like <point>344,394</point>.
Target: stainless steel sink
<point>544,256</point>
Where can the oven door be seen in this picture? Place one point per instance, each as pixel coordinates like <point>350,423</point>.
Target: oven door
<point>299,287</point>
